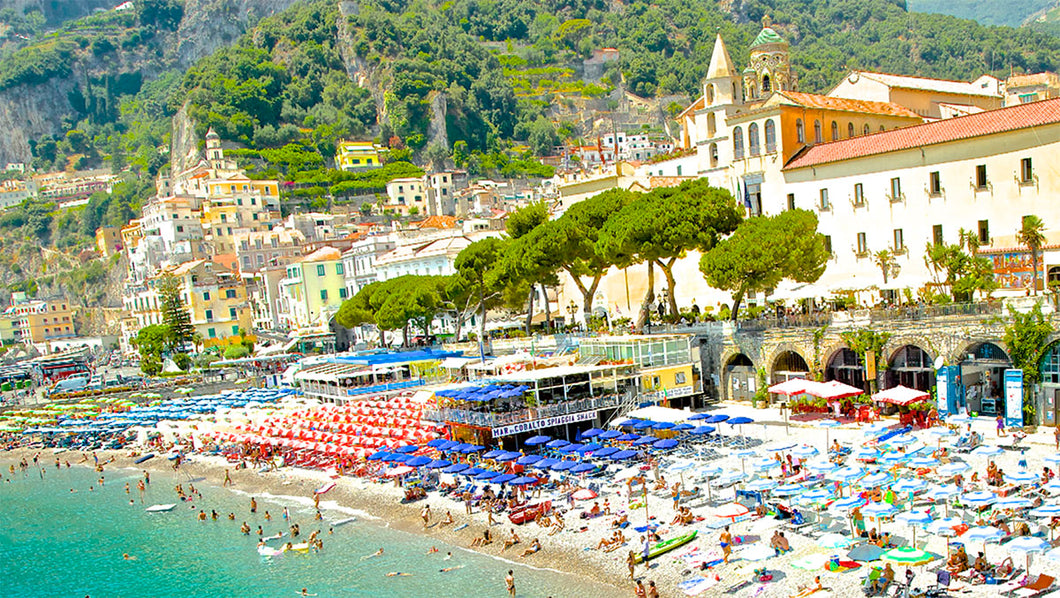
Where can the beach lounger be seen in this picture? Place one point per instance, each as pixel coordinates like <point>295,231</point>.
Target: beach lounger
<point>1042,584</point>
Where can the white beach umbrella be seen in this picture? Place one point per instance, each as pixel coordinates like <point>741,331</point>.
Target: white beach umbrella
<point>1021,478</point>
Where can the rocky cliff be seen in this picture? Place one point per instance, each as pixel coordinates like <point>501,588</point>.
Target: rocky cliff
<point>30,111</point>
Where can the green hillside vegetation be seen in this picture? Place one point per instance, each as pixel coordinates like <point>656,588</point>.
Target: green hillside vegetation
<point>500,65</point>
<point>1010,12</point>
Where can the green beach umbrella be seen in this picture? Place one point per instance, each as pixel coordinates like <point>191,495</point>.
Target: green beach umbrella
<point>907,555</point>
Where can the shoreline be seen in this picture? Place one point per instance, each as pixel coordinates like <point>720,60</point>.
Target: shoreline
<point>379,504</point>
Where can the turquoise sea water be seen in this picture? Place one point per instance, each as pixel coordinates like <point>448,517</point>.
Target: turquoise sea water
<point>57,543</point>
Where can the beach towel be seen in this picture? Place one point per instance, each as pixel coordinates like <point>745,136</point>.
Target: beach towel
<point>696,585</point>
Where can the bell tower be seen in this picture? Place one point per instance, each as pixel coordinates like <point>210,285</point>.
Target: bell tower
<point>770,65</point>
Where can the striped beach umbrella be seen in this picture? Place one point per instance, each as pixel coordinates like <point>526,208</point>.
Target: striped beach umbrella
<point>908,556</point>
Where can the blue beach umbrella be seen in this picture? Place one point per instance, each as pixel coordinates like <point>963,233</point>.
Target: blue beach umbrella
<point>683,427</point>
<point>570,448</point>
<point>591,432</point>
<point>504,478</point>
<point>396,458</point>
<point>492,454</point>
<point>528,459</point>
<point>485,475</point>
<point>582,468</point>
<point>667,443</point>
<point>379,456</point>
<point>700,430</point>
<point>1021,478</point>
<point>644,440</point>
<point>508,456</point>
<point>563,465</point>
<point>609,434</point>
<point>643,425</point>
<point>663,426</point>
<point>471,448</point>
<point>438,464</point>
<point>699,416</point>
<point>408,448</point>
<point>545,464</point>
<point>623,455</point>
<point>536,440</point>
<point>588,448</point>
<point>522,481</point>
<point>739,421</point>
<point>437,442</point>
<point>913,485</point>
<point>627,437</point>
<point>716,419</point>
<point>981,498</point>
<point>472,472</point>
<point>418,461</point>
<point>555,444</point>
<point>607,451</point>
<point>446,445</point>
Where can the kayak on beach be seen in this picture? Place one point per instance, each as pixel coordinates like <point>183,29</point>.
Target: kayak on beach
<point>144,458</point>
<point>666,546</point>
<point>344,521</point>
<point>325,488</point>
<point>160,508</point>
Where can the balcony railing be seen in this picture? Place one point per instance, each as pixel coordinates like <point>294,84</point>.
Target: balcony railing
<point>494,420</point>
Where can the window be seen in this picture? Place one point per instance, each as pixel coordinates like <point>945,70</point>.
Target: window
<point>235,329</point>
<point>679,377</point>
<point>899,241</point>
<point>752,139</point>
<point>828,244</point>
<point>712,125</point>
<point>771,137</point>
<point>232,312</point>
<point>882,129</point>
<point>1026,171</point>
<point>896,189</point>
<point>824,205</point>
<point>343,293</point>
<point>980,176</point>
<point>817,138</point>
<point>206,295</point>
<point>984,232</point>
<point>791,201</point>
<point>863,246</point>
<point>737,143</point>
<point>835,131</point>
<point>800,131</point>
<point>320,269</point>
<point>323,294</point>
<point>209,315</point>
<point>713,155</point>
<point>936,235</point>
<point>230,293</point>
<point>850,130</point>
<point>339,269</point>
<point>180,229</point>
<point>767,85</point>
<point>859,194</point>
<point>934,184</point>
<point>866,131</point>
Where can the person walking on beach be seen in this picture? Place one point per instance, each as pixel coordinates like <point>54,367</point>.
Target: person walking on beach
<point>1000,426</point>
<point>510,582</point>
<point>228,480</point>
<point>253,505</point>
<point>726,542</point>
<point>425,514</point>
<point>631,562</point>
<point>147,477</point>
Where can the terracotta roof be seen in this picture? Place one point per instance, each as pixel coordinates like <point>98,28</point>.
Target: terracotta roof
<point>820,102</point>
<point>438,222</point>
<point>991,122</point>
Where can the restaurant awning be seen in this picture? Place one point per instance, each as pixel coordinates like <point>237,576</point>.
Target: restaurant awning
<point>900,395</point>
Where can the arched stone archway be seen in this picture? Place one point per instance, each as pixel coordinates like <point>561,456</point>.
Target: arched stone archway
<point>787,364</point>
<point>846,366</point>
<point>739,377</point>
<point>1049,371</point>
<point>909,365</point>
<point>982,368</point>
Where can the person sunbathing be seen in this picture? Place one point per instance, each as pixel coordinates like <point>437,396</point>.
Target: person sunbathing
<point>511,541</point>
<point>620,520</point>
<point>483,540</point>
<point>607,542</point>
<point>534,547</point>
<point>958,561</point>
<point>810,589</point>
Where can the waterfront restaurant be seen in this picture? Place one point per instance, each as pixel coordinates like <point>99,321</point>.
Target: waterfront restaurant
<point>557,401</point>
<point>667,365</point>
<point>342,379</point>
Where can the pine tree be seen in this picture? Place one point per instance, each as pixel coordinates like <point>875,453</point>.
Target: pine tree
<point>174,314</point>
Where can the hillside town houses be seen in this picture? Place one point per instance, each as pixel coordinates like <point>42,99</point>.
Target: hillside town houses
<point>887,162</point>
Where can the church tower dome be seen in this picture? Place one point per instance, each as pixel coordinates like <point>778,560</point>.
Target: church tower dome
<point>770,65</point>
<point>722,85</point>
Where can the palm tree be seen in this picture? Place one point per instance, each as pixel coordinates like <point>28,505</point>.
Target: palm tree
<point>970,240</point>
<point>887,264</point>
<point>1030,235</point>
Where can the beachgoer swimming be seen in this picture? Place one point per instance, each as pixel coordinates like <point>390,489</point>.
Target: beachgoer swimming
<point>374,554</point>
<point>398,574</point>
